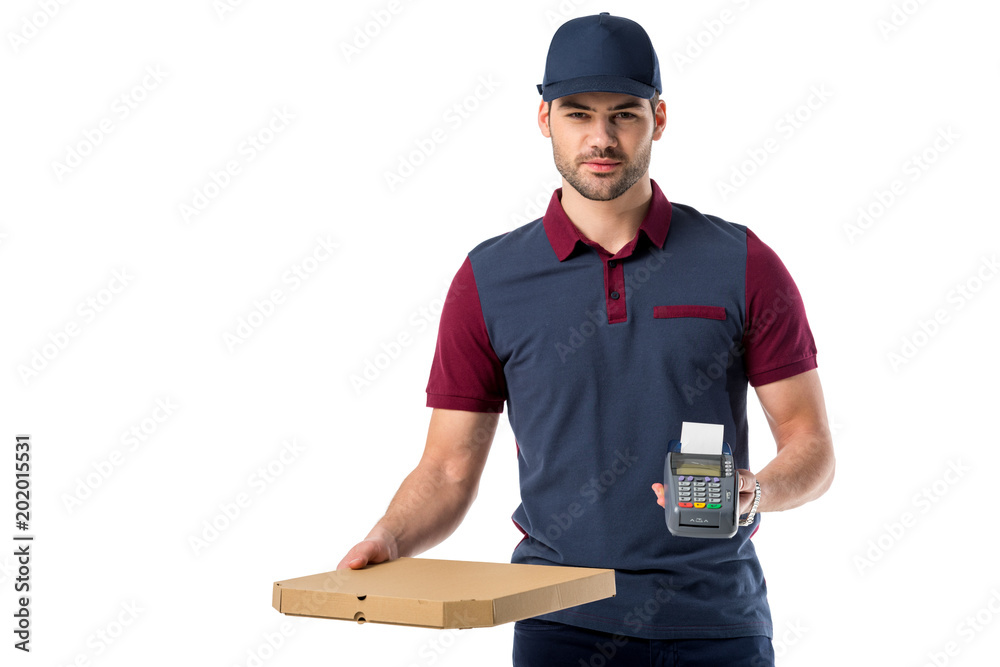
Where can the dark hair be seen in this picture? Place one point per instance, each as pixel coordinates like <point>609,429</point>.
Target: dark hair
<point>653,101</point>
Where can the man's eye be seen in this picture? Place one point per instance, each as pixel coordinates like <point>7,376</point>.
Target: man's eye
<point>626,114</point>
<point>577,114</point>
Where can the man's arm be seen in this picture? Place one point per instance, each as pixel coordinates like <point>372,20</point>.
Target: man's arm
<point>803,468</point>
<point>434,498</point>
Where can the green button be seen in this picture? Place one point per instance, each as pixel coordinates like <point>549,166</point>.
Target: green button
<point>714,506</point>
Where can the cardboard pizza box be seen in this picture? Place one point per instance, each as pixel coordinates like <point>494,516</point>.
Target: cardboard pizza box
<point>433,593</point>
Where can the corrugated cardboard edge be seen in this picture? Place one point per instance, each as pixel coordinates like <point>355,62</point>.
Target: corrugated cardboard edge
<point>377,609</point>
<point>463,614</point>
<point>600,585</point>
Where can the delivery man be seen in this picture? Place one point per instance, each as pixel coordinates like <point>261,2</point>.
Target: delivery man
<point>603,326</point>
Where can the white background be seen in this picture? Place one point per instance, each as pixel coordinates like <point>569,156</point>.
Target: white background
<point>875,572</point>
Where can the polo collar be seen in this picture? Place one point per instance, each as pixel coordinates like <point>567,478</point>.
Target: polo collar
<point>564,236</point>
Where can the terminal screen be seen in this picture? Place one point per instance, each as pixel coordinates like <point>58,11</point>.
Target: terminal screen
<point>699,466</point>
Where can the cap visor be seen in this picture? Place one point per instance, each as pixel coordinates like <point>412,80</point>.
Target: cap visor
<point>597,84</point>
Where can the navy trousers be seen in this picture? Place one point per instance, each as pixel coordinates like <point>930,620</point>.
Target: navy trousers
<point>539,643</point>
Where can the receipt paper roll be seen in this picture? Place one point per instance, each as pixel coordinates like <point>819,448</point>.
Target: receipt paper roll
<point>697,438</point>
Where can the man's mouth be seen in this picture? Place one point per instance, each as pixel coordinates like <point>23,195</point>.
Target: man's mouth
<point>602,165</point>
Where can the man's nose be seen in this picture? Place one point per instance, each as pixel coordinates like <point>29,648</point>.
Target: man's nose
<point>602,134</point>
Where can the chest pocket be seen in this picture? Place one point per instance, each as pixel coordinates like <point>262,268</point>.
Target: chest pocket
<point>695,337</point>
<point>706,312</point>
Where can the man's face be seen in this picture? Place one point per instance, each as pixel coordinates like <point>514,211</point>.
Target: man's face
<point>601,142</point>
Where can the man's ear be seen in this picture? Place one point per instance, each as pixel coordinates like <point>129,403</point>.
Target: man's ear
<point>660,120</point>
<point>543,119</point>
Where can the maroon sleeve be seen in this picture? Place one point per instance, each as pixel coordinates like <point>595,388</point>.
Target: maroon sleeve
<point>777,340</point>
<point>466,373</point>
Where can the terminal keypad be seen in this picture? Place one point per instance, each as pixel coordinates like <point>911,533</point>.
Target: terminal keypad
<point>699,492</point>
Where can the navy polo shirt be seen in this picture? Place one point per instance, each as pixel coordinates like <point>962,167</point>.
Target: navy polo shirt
<point>600,358</point>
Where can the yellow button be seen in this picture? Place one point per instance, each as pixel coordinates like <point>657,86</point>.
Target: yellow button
<point>700,505</point>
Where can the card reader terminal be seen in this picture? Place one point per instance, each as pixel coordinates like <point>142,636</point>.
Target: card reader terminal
<point>702,493</point>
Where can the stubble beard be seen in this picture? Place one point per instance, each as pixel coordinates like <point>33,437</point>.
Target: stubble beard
<point>603,187</point>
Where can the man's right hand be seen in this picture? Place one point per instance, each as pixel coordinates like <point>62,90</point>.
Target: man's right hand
<point>372,550</point>
<point>434,498</point>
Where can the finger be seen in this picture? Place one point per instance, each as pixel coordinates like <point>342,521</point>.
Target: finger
<point>350,562</point>
<point>356,558</point>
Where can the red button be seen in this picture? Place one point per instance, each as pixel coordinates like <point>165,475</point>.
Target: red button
<point>685,505</point>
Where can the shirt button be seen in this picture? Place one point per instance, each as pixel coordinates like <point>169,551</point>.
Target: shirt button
<point>615,295</point>
<point>612,264</point>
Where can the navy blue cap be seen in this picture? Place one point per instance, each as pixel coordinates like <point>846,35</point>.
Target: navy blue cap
<point>601,53</point>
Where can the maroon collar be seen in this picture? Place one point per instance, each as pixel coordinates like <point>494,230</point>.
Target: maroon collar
<point>563,234</point>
